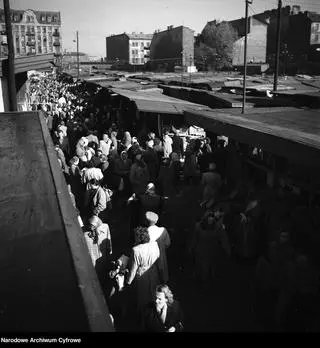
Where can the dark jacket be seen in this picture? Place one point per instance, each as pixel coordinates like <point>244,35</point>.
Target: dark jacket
<point>151,321</point>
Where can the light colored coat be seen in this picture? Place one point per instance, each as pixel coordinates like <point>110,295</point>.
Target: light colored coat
<point>100,248</point>
<point>144,272</point>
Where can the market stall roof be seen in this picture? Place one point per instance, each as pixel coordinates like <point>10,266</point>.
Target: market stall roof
<point>156,102</point>
<point>48,282</point>
<point>294,134</point>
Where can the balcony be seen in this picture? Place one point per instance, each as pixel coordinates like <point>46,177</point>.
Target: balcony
<point>56,34</point>
<point>31,43</point>
<point>57,44</point>
<point>29,33</point>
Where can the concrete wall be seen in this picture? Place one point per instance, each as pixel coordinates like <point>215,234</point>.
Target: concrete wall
<point>257,44</point>
<point>117,47</point>
<point>172,47</point>
<point>188,47</point>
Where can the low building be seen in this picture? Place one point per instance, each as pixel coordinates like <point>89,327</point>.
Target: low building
<point>131,49</point>
<point>34,32</point>
<point>172,47</point>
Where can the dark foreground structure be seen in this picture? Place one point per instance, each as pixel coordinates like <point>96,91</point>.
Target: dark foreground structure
<point>48,283</point>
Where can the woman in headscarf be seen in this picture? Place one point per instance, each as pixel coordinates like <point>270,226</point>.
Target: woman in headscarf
<point>98,239</point>
<point>96,199</point>
<point>83,151</point>
<point>143,273</point>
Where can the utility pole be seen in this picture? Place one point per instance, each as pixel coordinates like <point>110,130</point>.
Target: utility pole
<point>190,68</point>
<point>276,70</point>
<point>78,63</point>
<point>11,72</point>
<point>182,66</point>
<point>245,55</point>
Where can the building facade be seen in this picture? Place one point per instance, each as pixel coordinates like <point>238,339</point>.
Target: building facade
<point>256,41</point>
<point>172,47</point>
<point>132,49</point>
<point>34,32</point>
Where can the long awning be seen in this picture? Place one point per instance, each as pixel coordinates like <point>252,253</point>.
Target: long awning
<point>156,102</point>
<point>294,134</point>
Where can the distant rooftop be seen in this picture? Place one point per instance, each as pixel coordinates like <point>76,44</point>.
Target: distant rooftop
<point>140,36</point>
<point>43,17</point>
<point>134,35</point>
<point>170,27</point>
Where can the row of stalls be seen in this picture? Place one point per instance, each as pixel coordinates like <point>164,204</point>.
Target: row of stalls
<point>146,110</point>
<point>281,144</point>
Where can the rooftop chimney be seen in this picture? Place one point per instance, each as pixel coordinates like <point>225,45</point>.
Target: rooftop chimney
<point>295,9</point>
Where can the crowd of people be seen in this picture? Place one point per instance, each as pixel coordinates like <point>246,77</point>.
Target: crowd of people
<point>236,218</point>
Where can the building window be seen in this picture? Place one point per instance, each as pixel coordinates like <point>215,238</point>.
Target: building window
<point>49,19</point>
<point>43,18</point>
<point>316,38</point>
<point>132,52</point>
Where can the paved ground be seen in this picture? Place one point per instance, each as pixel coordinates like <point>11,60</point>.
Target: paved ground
<point>223,305</point>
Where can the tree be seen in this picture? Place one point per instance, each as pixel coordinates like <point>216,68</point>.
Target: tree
<point>204,56</point>
<point>220,36</point>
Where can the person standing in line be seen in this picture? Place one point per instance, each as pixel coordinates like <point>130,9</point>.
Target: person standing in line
<point>167,144</point>
<point>161,236</point>
<point>151,160</point>
<point>105,144</point>
<point>139,175</point>
<point>177,144</point>
<point>98,239</point>
<point>143,276</point>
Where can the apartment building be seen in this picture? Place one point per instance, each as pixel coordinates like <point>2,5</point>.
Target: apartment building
<point>34,32</point>
<point>132,49</point>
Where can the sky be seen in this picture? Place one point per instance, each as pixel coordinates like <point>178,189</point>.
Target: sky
<point>97,19</point>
